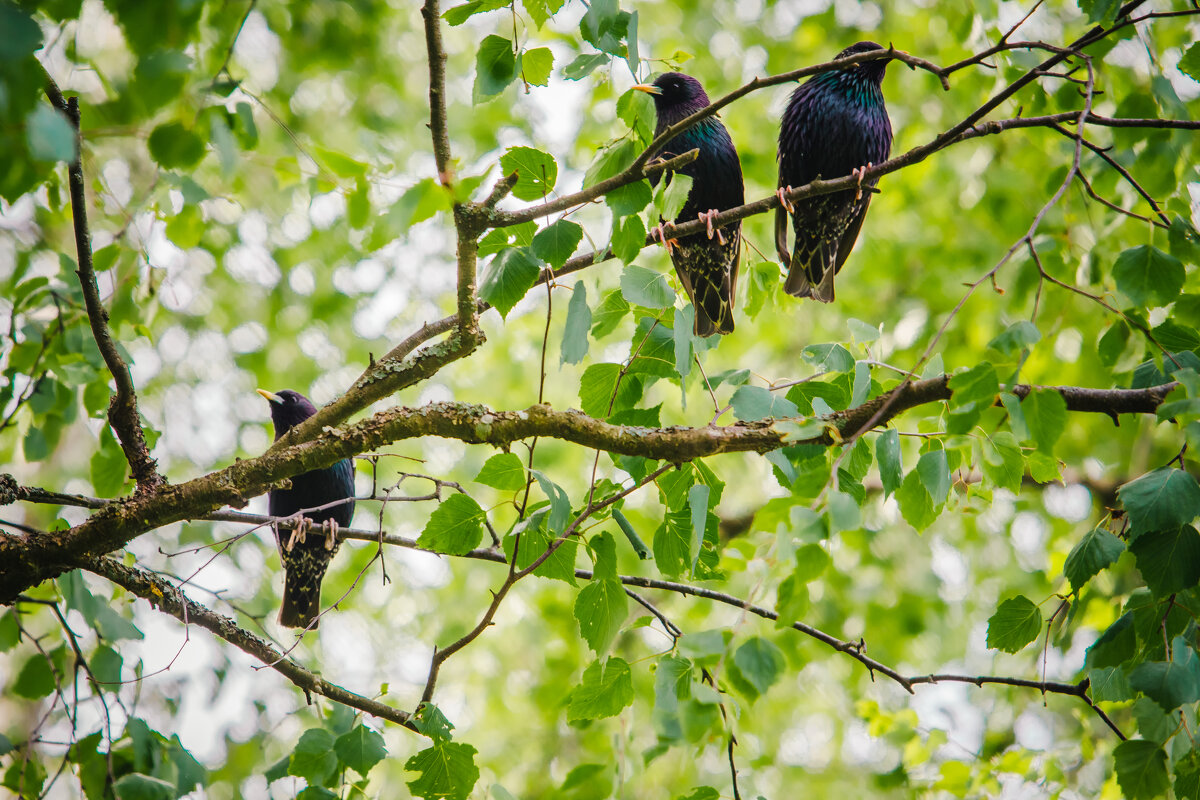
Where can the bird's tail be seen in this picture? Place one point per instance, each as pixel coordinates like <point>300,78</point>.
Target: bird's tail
<point>811,274</point>
<point>302,589</point>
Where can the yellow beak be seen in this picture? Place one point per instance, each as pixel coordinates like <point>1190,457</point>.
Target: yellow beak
<point>274,398</point>
<point>648,88</point>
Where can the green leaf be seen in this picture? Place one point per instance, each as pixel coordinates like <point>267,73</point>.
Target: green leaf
<point>1016,338</point>
<point>35,680</point>
<point>1141,769</point>
<point>1109,683</point>
<point>1115,646</point>
<point>1112,343</point>
<point>536,66</point>
<point>1160,500</point>
<point>537,172</point>
<point>108,466</point>
<point>646,287</point>
<point>1171,683</point>
<point>612,310</point>
<point>360,749</point>
<point>934,471</point>
<point>341,164</point>
<point>1096,550</point>
<point>605,690</point>
<point>555,243</point>
<point>460,14</point>
<point>106,666</point>
<point>635,541</point>
<point>541,10</point>
<point>684,325</point>
<point>628,238</point>
<point>535,539</point>
<point>602,606</point>
<point>596,388</point>
<point>511,274</point>
<point>973,392</point>
<point>1016,623</point>
<point>1190,63</point>
<point>755,402</point>
<point>447,770</point>
<point>1045,413</point>
<point>916,506</point>
<point>828,357</point>
<point>760,663</point>
<point>630,198</point>
<point>1169,560</point>
<point>1148,276</point>
<point>672,543</point>
<point>503,471</point>
<point>1100,11</point>
<point>50,135</point>
<point>575,332</point>
<point>135,786</point>
<point>560,504</point>
<point>22,35</point>
<point>495,67</point>
<point>10,631</point>
<point>455,527</point>
<point>583,65</point>
<point>887,454</point>
<point>314,758</point>
<point>674,195</point>
<point>174,146</point>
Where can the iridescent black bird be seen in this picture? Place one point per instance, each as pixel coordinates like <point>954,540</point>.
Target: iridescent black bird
<point>305,558</point>
<point>835,125</point>
<point>707,264</point>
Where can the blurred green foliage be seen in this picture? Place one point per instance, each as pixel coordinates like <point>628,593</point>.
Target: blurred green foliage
<point>265,212</point>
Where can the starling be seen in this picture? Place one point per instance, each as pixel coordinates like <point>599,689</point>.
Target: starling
<point>835,124</point>
<point>707,264</point>
<point>305,558</point>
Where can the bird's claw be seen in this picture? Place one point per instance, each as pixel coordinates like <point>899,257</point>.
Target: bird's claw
<point>707,218</point>
<point>302,524</point>
<point>781,193</point>
<point>859,174</point>
<point>660,232</point>
<point>330,528</point>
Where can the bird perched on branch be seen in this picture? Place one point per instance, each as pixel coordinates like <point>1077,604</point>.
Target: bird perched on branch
<point>836,124</point>
<point>323,497</point>
<point>707,264</point>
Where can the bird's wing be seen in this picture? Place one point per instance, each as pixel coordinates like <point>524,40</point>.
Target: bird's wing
<point>850,236</point>
<point>708,271</point>
<point>781,235</point>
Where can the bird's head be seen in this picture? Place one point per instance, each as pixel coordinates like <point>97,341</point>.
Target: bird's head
<point>871,70</point>
<point>674,90</point>
<point>288,409</point>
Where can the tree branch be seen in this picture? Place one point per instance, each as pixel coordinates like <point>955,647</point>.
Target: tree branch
<point>27,560</point>
<point>122,409</point>
<point>171,600</point>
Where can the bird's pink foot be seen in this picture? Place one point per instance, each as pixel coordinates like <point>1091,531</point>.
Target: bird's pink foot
<point>660,232</point>
<point>302,524</point>
<point>781,193</point>
<point>859,174</point>
<point>330,528</point>
<point>707,218</point>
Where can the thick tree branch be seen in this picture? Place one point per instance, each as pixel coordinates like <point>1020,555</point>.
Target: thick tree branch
<point>171,600</point>
<point>27,560</point>
<point>122,409</point>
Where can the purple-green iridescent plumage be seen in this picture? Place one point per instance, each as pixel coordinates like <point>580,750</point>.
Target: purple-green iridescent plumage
<point>305,563</point>
<point>835,122</point>
<point>707,267</point>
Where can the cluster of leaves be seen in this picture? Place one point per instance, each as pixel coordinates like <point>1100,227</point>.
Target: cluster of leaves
<point>827,522</point>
